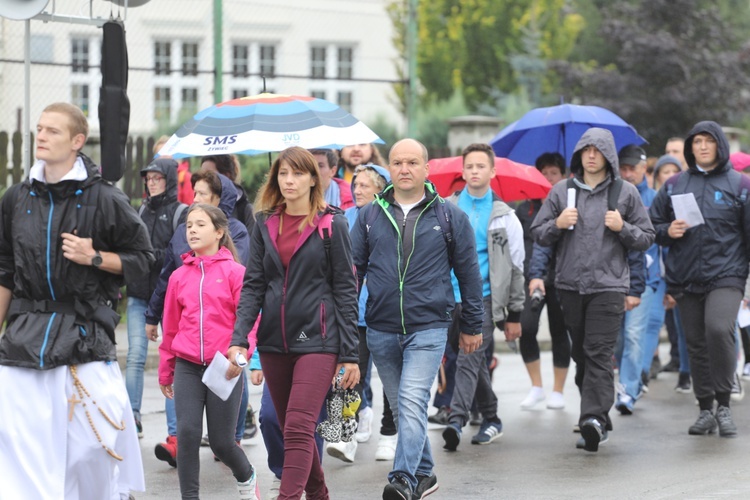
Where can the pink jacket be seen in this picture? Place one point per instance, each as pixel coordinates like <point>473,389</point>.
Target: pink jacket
<point>199,311</point>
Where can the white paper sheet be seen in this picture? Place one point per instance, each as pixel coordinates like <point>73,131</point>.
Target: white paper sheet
<point>215,377</point>
<point>571,202</point>
<point>743,317</point>
<point>685,208</point>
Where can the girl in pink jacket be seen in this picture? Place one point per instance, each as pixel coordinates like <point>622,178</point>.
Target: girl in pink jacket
<point>199,317</point>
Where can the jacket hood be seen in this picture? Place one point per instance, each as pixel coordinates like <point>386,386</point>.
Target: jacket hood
<point>190,259</point>
<point>722,145</point>
<point>602,140</point>
<point>228,195</point>
<point>382,172</point>
<point>168,168</point>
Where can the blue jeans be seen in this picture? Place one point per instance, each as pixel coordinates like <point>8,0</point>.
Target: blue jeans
<point>681,341</point>
<point>137,351</point>
<point>408,365</point>
<point>653,326</point>
<point>630,356</point>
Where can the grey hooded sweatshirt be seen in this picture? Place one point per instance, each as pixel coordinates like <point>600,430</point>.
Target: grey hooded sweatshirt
<point>592,258</point>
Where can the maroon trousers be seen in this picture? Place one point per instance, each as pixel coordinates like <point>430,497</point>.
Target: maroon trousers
<point>298,384</point>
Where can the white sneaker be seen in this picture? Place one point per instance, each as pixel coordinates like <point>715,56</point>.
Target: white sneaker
<point>273,491</point>
<point>364,427</point>
<point>746,371</point>
<point>343,450</point>
<point>536,395</point>
<point>556,401</point>
<point>249,489</point>
<point>386,451</point>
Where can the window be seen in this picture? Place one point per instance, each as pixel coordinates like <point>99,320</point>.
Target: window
<point>237,93</point>
<point>79,53</point>
<point>317,62</point>
<point>240,60</point>
<point>318,94</point>
<point>163,58</point>
<point>190,59</point>
<point>268,61</point>
<point>162,103</point>
<point>344,99</point>
<point>42,48</point>
<point>79,96</point>
<point>345,63</point>
<point>190,100</point>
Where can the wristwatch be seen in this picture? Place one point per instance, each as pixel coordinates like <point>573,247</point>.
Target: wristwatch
<point>96,260</point>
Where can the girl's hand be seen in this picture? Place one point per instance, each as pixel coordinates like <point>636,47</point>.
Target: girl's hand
<point>152,333</point>
<point>233,371</point>
<point>232,353</point>
<point>256,377</point>
<point>167,390</point>
<point>350,377</point>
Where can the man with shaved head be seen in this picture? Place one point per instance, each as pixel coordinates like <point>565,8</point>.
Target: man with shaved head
<point>406,242</point>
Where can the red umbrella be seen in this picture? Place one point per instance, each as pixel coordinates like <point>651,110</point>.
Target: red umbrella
<point>740,161</point>
<point>512,182</point>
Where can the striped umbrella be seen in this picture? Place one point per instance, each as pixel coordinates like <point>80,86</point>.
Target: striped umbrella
<point>264,123</point>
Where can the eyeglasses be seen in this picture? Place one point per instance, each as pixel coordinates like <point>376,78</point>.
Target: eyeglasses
<point>155,178</point>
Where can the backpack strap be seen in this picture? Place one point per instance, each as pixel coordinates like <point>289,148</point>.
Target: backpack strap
<point>141,209</point>
<point>446,227</point>
<point>177,215</point>
<point>614,193</point>
<point>87,209</point>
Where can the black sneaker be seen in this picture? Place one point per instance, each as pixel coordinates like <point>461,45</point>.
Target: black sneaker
<point>724,420</point>
<point>672,366</point>
<point>706,424</point>
<point>592,433</point>
<point>251,427</point>
<point>426,486</point>
<point>683,384</point>
<point>452,437</point>
<point>139,428</point>
<point>442,417</point>
<point>655,368</point>
<point>397,489</point>
<point>581,443</point>
<point>476,418</point>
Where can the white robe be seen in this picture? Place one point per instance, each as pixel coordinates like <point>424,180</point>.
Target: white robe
<point>45,455</point>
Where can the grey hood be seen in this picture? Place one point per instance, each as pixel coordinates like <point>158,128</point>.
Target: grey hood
<point>602,140</point>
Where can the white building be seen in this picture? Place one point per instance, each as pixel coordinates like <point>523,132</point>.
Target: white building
<point>340,50</point>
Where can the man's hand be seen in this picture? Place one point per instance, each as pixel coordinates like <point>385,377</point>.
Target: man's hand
<point>167,390</point>
<point>632,302</point>
<point>669,302</point>
<point>256,377</point>
<point>469,343</point>
<point>78,250</point>
<point>537,283</point>
<point>677,229</point>
<point>613,220</point>
<point>152,332</point>
<point>512,331</point>
<point>567,218</point>
<point>349,378</point>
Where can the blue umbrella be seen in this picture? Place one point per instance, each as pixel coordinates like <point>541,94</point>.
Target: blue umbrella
<point>557,129</point>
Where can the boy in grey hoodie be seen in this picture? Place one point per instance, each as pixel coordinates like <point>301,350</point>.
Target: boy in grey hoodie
<point>591,272</point>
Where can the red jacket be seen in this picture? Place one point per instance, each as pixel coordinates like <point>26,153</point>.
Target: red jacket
<point>345,194</point>
<point>185,192</point>
<point>199,311</point>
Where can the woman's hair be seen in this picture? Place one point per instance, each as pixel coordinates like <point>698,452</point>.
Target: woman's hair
<point>225,165</point>
<point>373,174</point>
<point>300,160</point>
<point>220,221</point>
<point>210,178</point>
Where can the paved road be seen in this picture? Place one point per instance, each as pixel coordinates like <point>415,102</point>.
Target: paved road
<point>649,454</point>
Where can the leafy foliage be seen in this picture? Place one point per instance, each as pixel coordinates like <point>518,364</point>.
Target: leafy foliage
<point>675,62</point>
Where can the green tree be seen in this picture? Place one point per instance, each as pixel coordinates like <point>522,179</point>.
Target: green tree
<point>675,63</point>
<point>471,45</point>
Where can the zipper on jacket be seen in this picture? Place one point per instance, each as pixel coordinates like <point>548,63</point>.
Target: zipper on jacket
<point>323,322</point>
<point>283,308</point>
<point>402,275</point>
<point>49,278</point>
<point>200,301</point>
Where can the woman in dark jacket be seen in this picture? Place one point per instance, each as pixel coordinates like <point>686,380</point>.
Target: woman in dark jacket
<point>308,330</point>
<point>161,213</point>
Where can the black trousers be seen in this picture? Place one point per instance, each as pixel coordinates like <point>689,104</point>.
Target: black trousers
<point>594,321</point>
<point>709,320</point>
